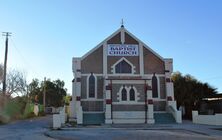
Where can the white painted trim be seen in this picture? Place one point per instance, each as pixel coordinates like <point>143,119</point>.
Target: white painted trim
<point>128,121</point>
<point>113,70</point>
<point>146,76</point>
<point>150,75</point>
<point>168,62</point>
<point>105,58</point>
<point>158,99</point>
<point>119,94</point>
<point>76,64</point>
<point>100,44</point>
<point>115,33</point>
<point>96,74</point>
<point>128,81</point>
<point>144,44</point>
<point>87,87</point>
<point>158,87</point>
<point>92,99</point>
<point>123,74</point>
<point>122,36</point>
<point>93,112</point>
<point>128,103</point>
<point>159,111</point>
<point>129,115</point>
<point>141,59</point>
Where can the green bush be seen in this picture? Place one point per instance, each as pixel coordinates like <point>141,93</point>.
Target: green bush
<point>17,108</point>
<point>30,115</point>
<point>13,109</point>
<point>42,113</point>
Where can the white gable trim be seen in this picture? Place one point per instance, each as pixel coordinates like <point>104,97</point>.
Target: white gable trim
<point>104,41</point>
<point>144,44</point>
<point>121,30</point>
<point>113,70</point>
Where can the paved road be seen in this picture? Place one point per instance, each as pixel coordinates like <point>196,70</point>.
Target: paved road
<point>126,134</point>
<point>185,131</point>
<point>32,129</point>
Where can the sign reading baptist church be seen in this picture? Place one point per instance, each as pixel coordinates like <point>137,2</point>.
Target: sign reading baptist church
<point>122,50</point>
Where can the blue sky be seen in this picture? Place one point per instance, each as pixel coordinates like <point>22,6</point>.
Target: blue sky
<point>46,34</point>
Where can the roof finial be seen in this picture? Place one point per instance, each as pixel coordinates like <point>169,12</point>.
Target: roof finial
<point>122,23</point>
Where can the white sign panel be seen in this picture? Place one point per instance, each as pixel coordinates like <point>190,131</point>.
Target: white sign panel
<point>122,50</point>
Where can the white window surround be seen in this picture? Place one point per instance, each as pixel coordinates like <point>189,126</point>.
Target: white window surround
<point>158,86</point>
<point>113,70</point>
<point>87,87</point>
<point>119,94</point>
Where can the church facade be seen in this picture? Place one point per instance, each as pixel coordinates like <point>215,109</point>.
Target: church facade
<point>122,80</point>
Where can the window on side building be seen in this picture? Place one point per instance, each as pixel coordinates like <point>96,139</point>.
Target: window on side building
<point>92,86</point>
<point>155,86</point>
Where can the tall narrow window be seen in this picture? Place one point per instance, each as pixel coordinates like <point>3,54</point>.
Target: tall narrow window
<point>154,86</point>
<point>124,94</point>
<point>123,67</point>
<point>132,94</point>
<point>92,86</point>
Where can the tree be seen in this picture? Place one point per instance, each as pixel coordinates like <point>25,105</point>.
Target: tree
<point>189,92</point>
<point>67,99</point>
<point>34,89</point>
<point>15,82</point>
<point>54,91</point>
<point>1,73</point>
<point>1,77</point>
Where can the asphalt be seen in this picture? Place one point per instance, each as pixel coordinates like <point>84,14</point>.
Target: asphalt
<point>30,129</point>
<point>40,129</point>
<point>185,131</point>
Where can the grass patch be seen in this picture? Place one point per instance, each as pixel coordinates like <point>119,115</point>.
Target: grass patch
<point>73,124</point>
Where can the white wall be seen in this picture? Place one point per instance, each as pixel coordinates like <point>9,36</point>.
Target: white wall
<point>128,117</point>
<point>207,119</point>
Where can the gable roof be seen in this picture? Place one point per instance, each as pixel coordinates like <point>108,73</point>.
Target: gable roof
<point>115,33</point>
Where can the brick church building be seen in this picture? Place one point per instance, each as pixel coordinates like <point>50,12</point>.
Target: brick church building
<point>122,80</point>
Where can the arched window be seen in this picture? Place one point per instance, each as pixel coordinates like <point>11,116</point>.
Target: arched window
<point>154,86</point>
<point>124,94</point>
<point>128,94</point>
<point>132,94</point>
<point>92,86</point>
<point>123,67</point>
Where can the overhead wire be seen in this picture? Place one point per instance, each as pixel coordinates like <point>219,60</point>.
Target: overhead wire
<point>23,58</point>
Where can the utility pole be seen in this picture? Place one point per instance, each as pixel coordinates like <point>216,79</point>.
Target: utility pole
<point>5,62</point>
<point>44,95</point>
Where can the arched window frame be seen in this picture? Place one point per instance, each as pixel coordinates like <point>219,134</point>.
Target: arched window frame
<point>158,86</point>
<point>88,86</point>
<point>113,67</point>
<point>124,93</point>
<point>134,94</point>
<point>119,98</point>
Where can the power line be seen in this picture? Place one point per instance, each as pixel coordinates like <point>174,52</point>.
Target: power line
<point>24,59</point>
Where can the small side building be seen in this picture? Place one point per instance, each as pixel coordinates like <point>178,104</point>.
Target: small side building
<point>122,80</point>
